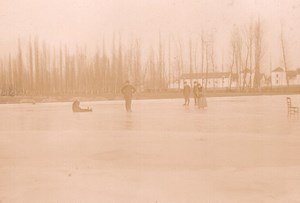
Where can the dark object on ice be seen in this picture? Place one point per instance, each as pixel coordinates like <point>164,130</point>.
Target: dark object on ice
<point>76,107</point>
<point>292,110</point>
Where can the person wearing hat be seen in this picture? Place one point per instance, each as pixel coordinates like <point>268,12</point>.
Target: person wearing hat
<point>127,91</point>
<point>195,92</point>
<point>186,93</point>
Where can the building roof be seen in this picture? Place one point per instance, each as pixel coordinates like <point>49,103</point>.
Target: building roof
<point>234,77</point>
<point>205,75</point>
<point>247,70</point>
<point>278,70</point>
<point>291,73</point>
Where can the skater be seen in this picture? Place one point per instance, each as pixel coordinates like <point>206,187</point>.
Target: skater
<point>186,94</point>
<point>76,107</point>
<point>201,98</point>
<point>127,90</point>
<point>195,92</point>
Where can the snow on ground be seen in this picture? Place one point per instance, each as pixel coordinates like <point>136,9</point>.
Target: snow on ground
<point>239,149</point>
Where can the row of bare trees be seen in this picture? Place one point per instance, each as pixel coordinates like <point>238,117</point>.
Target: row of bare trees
<point>38,69</point>
<point>248,48</point>
<point>246,54</point>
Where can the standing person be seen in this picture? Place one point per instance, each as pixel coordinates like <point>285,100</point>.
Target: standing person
<point>195,92</point>
<point>186,93</point>
<point>201,98</point>
<point>127,90</point>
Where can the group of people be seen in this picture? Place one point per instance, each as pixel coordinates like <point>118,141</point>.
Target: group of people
<point>199,97</point>
<point>128,90</point>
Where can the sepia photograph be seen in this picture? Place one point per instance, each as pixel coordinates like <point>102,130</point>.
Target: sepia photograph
<point>149,101</point>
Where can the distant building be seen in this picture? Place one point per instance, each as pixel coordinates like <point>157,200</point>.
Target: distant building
<point>298,76</point>
<point>220,80</point>
<point>294,77</point>
<point>227,80</point>
<point>216,80</point>
<point>279,77</point>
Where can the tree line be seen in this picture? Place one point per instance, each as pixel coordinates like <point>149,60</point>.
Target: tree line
<point>38,69</point>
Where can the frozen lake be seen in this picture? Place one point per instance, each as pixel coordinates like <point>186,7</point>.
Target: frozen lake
<point>260,114</point>
<point>239,149</point>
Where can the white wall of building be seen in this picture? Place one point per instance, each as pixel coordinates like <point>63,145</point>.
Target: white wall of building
<point>298,79</point>
<point>278,79</point>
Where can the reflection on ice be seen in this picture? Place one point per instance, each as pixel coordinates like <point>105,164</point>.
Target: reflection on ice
<point>128,122</point>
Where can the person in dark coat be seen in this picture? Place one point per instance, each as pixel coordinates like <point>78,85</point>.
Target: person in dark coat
<point>201,97</point>
<point>127,91</point>
<point>186,93</point>
<point>195,92</point>
<point>76,107</point>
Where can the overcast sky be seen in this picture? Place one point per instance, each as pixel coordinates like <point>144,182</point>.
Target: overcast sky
<point>86,21</point>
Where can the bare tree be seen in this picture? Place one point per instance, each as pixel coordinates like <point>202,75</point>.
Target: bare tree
<point>284,54</point>
<point>37,66</point>
<point>202,55</point>
<point>179,61</point>
<point>191,60</point>
<point>212,54</point>
<point>169,62</point>
<point>161,64</point>
<point>250,50</point>
<point>258,36</point>
<point>248,58</point>
<point>233,58</point>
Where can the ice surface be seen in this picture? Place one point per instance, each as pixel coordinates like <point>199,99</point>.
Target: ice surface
<point>239,149</point>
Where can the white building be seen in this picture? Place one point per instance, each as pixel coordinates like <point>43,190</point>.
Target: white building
<point>216,80</point>
<point>298,76</point>
<point>278,77</point>
<point>219,80</point>
<point>294,77</point>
